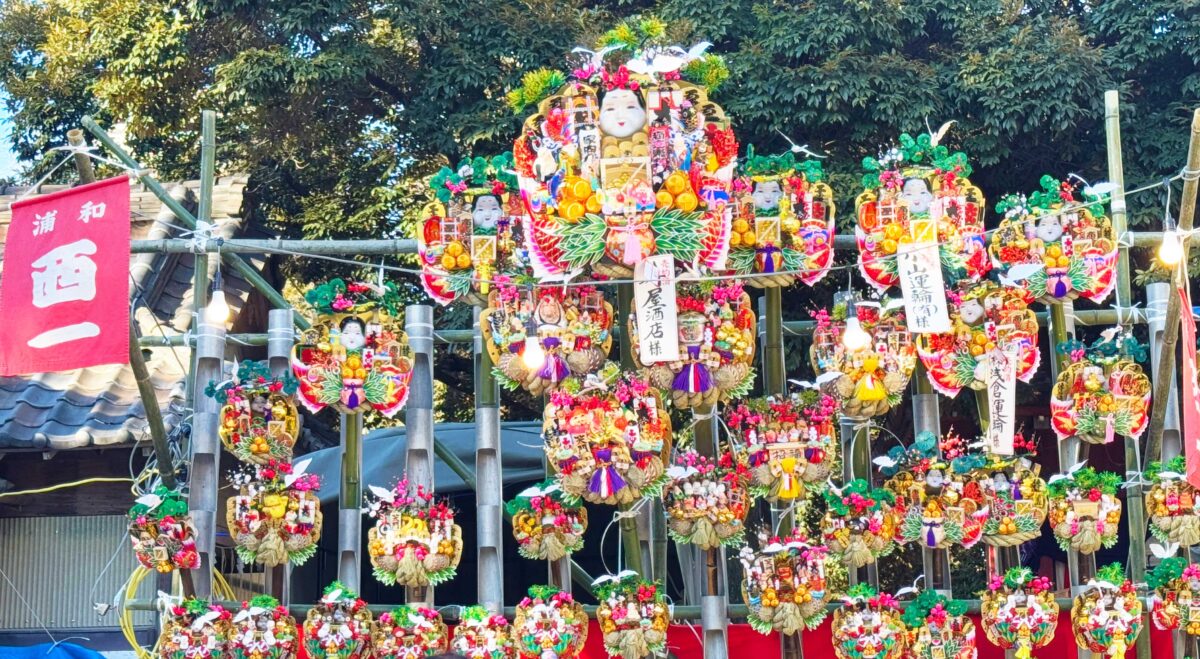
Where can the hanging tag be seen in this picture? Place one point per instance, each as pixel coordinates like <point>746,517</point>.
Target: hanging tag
<point>920,269</point>
<point>1000,377</point>
<point>657,316</point>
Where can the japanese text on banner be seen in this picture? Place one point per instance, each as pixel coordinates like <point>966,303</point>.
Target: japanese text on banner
<point>65,290</point>
<point>654,302</point>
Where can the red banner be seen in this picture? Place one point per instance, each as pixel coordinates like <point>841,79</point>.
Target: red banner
<point>1191,397</point>
<point>64,295</point>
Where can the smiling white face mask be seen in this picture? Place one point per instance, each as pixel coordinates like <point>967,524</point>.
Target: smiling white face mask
<point>621,113</point>
<point>916,193</point>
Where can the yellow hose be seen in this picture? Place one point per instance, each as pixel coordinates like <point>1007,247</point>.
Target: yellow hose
<point>221,589</point>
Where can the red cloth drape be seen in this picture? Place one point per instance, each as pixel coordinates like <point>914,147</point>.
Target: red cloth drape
<point>684,643</point>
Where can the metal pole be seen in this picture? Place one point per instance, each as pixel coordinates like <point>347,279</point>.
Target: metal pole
<point>350,502</point>
<point>489,495</point>
<point>280,337</point>
<point>1170,335</point>
<point>206,448</point>
<point>418,415</point>
<point>237,263</point>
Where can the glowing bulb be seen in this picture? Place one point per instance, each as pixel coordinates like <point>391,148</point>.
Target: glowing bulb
<point>1170,251</point>
<point>853,337</point>
<point>217,310</point>
<point>533,356</point>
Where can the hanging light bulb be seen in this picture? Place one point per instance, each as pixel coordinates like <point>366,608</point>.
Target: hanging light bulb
<point>1170,250</point>
<point>217,310</point>
<point>533,356</point>
<point>854,337</point>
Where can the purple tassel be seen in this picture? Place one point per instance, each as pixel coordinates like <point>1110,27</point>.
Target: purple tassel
<point>694,378</point>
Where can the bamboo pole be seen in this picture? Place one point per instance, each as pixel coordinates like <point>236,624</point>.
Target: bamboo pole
<point>384,247</point>
<point>714,603</point>
<point>183,215</point>
<point>83,164</point>
<point>927,417</point>
<point>460,469</point>
<point>631,543</point>
<point>418,416</point>
<point>1166,362</point>
<point>279,351</point>
<point>350,503</point>
<point>206,448</point>
<point>1135,509</point>
<point>461,336</point>
<point>489,495</point>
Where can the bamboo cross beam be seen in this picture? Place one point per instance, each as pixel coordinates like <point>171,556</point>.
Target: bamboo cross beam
<point>244,269</point>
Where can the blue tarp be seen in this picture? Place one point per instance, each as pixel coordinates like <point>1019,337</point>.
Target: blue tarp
<point>44,651</point>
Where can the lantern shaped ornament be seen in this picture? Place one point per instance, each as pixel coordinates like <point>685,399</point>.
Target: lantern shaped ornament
<point>481,635</point>
<point>162,533</point>
<point>986,319</point>
<point>633,616</point>
<point>415,540</point>
<point>339,626</point>
<point>783,224</point>
<point>263,629</point>
<point>707,500</point>
<point>1171,503</point>
<point>1016,496</point>
<point>784,585</point>
<point>608,443</point>
<point>541,338</point>
<point>938,505</point>
<point>1106,617</point>
<point>549,624</point>
<point>275,517</point>
<point>938,628</point>
<point>1059,245</point>
<point>868,626</point>
<point>259,421</point>
<point>625,158</point>
<point>1103,392</point>
<point>716,346</point>
<point>865,354</point>
<point>409,632</point>
<point>918,192</point>
<point>545,524</point>
<point>472,234</point>
<point>195,629</point>
<point>355,355</point>
<point>1176,600</point>
<point>1019,612</point>
<point>860,524</point>
<point>1085,513</point>
<point>792,442</point>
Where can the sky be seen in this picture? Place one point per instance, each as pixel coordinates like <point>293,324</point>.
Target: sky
<point>8,161</point>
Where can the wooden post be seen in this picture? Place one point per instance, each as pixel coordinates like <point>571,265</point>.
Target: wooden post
<point>1170,335</point>
<point>489,495</point>
<point>280,337</point>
